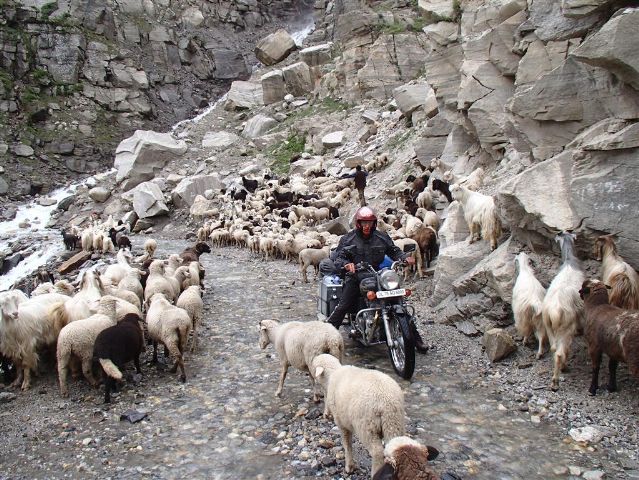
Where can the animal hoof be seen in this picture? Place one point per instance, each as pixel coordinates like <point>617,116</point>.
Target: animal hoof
<point>183,378</point>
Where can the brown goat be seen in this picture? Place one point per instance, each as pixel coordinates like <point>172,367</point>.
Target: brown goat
<point>621,277</point>
<point>426,238</point>
<point>610,330</point>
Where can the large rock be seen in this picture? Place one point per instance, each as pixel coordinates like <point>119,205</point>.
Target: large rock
<point>273,87</point>
<point>438,8</point>
<point>609,134</point>
<point>582,8</point>
<point>148,200</point>
<point>275,47</point>
<point>62,54</point>
<point>442,71</point>
<point>258,126</point>
<point>99,194</point>
<point>453,262</point>
<point>317,54</point>
<point>332,140</point>
<point>550,23</point>
<point>541,58</point>
<point>74,262</point>
<point>498,344</point>
<point>220,139</point>
<point>244,95</point>
<point>454,229</point>
<point>229,64</point>
<point>203,208</point>
<point>414,95</point>
<point>442,33</point>
<point>139,157</point>
<point>614,47</point>
<point>298,78</point>
<point>184,194</point>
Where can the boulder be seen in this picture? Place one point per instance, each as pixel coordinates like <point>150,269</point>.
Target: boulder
<point>303,164</point>
<point>442,33</point>
<point>498,344</point>
<point>4,186</point>
<point>22,150</point>
<point>414,95</point>
<point>203,208</point>
<point>66,202</point>
<point>221,139</point>
<point>99,194</point>
<point>139,157</point>
<point>337,226</point>
<point>614,47</point>
<point>244,95</point>
<point>454,228</point>
<point>74,262</point>
<point>148,200</point>
<point>188,189</point>
<point>453,262</point>
<point>192,17</point>
<point>582,8</point>
<point>298,78</point>
<point>609,134</point>
<point>442,71</point>
<point>550,23</point>
<point>258,126</point>
<point>229,64</point>
<point>142,225</point>
<point>438,8</point>
<point>275,47</point>
<point>273,87</point>
<point>540,58</point>
<point>332,140</point>
<point>317,54</point>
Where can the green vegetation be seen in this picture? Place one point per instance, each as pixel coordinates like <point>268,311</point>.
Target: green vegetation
<point>6,79</point>
<point>393,28</point>
<point>330,105</point>
<point>47,9</point>
<point>283,152</point>
<point>398,140</point>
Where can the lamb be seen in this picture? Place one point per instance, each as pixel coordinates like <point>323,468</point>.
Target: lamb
<point>191,301</point>
<point>365,402</point>
<point>528,297</point>
<point>480,213</point>
<point>170,326</point>
<point>116,345</point>
<point>312,256</point>
<point>407,459</point>
<point>618,274</point>
<point>297,343</point>
<point>474,180</point>
<point>78,338</point>
<point>117,271</point>
<point>610,330</point>
<point>562,307</point>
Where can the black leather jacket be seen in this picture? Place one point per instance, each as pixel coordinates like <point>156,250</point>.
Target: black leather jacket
<point>371,249</point>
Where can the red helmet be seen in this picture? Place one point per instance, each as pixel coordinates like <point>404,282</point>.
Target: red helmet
<point>365,214</point>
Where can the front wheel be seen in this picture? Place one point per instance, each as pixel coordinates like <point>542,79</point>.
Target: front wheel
<point>401,349</point>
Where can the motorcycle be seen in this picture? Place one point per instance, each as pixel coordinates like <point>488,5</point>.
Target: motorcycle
<point>383,314</point>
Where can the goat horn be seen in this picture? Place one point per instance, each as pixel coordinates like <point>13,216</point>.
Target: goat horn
<point>614,234</point>
<point>581,222</point>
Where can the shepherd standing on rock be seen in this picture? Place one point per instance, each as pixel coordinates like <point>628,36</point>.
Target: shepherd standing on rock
<point>360,184</point>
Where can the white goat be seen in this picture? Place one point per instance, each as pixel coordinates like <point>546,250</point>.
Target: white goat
<point>298,343</point>
<point>367,403</point>
<point>480,213</point>
<point>562,307</point>
<point>528,297</point>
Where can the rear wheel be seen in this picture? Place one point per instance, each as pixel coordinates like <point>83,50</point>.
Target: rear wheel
<point>402,348</point>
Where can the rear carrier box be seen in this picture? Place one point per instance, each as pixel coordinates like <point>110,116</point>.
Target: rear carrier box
<point>329,294</point>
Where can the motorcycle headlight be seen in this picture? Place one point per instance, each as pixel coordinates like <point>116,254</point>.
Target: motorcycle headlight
<point>389,280</point>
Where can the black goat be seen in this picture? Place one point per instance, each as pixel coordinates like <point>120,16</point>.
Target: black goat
<point>250,185</point>
<point>70,240</point>
<point>333,212</point>
<point>239,194</point>
<point>443,187</point>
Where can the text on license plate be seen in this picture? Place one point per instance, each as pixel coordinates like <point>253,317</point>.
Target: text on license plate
<point>398,292</point>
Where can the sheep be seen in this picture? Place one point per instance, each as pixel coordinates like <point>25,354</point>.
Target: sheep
<point>480,214</point>
<point>428,217</point>
<point>312,256</point>
<point>528,297</point>
<point>407,459</point>
<point>424,200</point>
<point>611,330</point>
<point>177,280</point>
<point>86,239</point>
<point>618,274</point>
<point>426,238</point>
<point>27,324</point>
<point>297,343</point>
<point>116,345</point>
<point>170,326</point>
<point>78,338</point>
<point>191,301</point>
<point>84,303</point>
<point>150,246</point>
<point>365,402</point>
<point>157,282</point>
<point>117,271</point>
<point>562,307</point>
<point>61,286</point>
<point>416,254</point>
<point>131,282</point>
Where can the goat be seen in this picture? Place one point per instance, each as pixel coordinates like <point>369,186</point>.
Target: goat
<point>442,187</point>
<point>250,185</point>
<point>407,459</point>
<point>562,306</point>
<point>528,297</point>
<point>610,330</point>
<point>618,274</point>
<point>480,213</point>
<point>70,240</point>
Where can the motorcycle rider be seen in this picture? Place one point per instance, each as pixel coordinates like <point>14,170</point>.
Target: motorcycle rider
<point>370,246</point>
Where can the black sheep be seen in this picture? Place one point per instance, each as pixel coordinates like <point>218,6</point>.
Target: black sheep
<point>115,346</point>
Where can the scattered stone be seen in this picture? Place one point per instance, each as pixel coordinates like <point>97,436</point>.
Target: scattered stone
<point>99,194</point>
<point>275,47</point>
<point>587,434</point>
<point>332,140</point>
<point>22,150</point>
<point>6,397</point>
<point>498,344</point>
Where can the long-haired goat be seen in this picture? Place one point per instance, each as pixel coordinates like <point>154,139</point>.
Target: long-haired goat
<point>610,330</point>
<point>528,297</point>
<point>480,213</point>
<point>616,273</point>
<point>562,306</point>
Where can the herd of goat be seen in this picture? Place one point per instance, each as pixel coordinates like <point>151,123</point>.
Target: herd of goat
<point>105,324</point>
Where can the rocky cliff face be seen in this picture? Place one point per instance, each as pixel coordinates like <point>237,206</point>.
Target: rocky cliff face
<point>77,76</point>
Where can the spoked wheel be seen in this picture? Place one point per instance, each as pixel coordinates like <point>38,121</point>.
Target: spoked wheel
<point>402,348</point>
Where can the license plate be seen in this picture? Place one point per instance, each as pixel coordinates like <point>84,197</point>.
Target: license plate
<point>398,292</point>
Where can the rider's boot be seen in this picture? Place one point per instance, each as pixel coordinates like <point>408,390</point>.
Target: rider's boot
<point>420,346</point>
<point>337,316</point>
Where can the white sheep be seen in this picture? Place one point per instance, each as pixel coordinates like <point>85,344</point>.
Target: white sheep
<point>424,200</point>
<point>191,301</point>
<point>528,298</point>
<point>170,326</point>
<point>117,271</point>
<point>416,254</point>
<point>563,307</point>
<point>131,282</point>
<point>407,459</point>
<point>77,338</point>
<point>367,403</point>
<point>312,256</point>
<point>157,282</point>
<point>297,343</point>
<point>61,286</point>
<point>480,213</point>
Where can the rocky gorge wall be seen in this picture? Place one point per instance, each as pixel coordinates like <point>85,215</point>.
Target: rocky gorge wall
<point>76,76</point>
